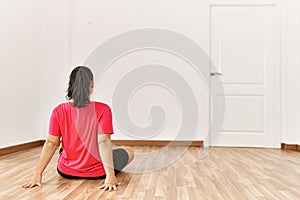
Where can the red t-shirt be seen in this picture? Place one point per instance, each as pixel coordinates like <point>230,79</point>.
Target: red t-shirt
<point>78,128</point>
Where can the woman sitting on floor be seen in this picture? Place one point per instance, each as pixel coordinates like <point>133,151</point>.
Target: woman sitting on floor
<point>78,124</point>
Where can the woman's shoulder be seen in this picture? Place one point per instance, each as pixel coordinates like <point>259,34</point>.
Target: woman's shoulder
<point>63,106</point>
<point>102,105</point>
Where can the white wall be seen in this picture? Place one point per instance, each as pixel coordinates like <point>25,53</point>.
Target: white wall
<point>76,28</point>
<point>290,65</point>
<point>80,26</point>
<point>41,41</point>
<point>55,58</point>
<point>20,64</point>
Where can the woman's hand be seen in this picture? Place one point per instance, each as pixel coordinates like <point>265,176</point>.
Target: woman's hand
<point>48,150</point>
<point>36,181</point>
<point>110,183</point>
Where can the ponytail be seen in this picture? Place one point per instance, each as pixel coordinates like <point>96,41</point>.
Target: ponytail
<point>79,86</point>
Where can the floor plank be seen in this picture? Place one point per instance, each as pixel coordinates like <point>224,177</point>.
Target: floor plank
<point>227,173</point>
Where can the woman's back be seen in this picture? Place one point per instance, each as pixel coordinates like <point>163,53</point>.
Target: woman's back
<point>79,128</point>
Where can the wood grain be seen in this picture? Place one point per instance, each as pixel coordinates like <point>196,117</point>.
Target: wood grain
<point>157,143</point>
<point>292,147</point>
<point>20,147</point>
<point>226,173</point>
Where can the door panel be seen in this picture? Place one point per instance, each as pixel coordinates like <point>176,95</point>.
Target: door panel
<point>242,48</point>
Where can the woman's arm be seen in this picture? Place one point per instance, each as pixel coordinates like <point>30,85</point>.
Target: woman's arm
<point>105,148</point>
<point>48,151</point>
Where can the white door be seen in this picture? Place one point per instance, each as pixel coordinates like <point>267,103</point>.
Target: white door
<point>243,39</point>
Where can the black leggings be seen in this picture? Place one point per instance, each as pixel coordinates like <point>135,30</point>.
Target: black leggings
<point>120,158</point>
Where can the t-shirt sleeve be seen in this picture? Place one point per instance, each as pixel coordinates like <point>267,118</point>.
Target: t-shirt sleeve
<point>54,128</point>
<point>105,122</point>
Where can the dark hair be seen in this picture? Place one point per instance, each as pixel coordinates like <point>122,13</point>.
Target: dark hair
<point>79,86</point>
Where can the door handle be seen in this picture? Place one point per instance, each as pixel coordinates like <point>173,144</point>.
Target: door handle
<point>216,74</point>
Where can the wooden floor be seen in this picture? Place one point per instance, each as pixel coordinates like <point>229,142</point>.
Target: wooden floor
<point>227,173</point>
